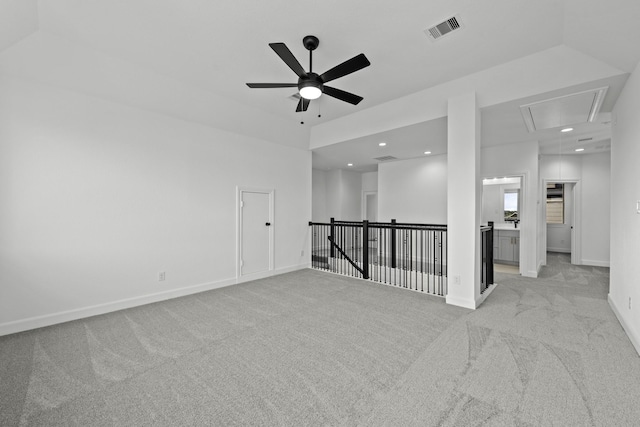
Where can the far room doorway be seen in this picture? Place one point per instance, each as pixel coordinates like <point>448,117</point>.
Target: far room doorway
<point>562,217</point>
<point>503,204</point>
<point>370,206</point>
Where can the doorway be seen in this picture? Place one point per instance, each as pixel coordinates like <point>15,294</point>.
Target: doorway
<point>255,233</point>
<point>370,206</point>
<point>504,204</point>
<point>562,218</point>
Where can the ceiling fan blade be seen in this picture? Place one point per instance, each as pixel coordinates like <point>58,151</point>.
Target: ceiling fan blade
<point>352,65</point>
<point>285,54</point>
<point>342,95</point>
<point>270,85</point>
<point>303,104</point>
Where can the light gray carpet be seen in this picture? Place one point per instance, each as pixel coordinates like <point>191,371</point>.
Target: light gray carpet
<point>312,348</point>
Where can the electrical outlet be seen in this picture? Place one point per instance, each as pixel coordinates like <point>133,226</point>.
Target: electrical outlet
<point>301,253</point>
<point>456,280</point>
<point>161,276</point>
<point>629,303</point>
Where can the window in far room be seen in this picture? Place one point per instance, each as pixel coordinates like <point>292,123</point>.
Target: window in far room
<point>511,205</point>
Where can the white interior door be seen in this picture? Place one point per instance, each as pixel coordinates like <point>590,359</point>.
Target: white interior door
<point>255,232</point>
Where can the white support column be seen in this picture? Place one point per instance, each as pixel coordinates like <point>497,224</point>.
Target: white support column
<point>463,201</point>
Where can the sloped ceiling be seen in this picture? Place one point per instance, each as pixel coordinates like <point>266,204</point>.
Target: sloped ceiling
<point>192,59</point>
<point>18,19</point>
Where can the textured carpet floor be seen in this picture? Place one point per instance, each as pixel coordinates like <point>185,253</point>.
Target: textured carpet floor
<point>310,348</point>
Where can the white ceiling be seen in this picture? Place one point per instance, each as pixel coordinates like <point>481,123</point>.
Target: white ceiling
<point>501,124</point>
<point>210,49</point>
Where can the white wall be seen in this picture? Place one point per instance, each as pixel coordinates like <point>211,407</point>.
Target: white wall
<point>96,198</point>
<point>519,159</point>
<point>333,190</point>
<point>625,221</point>
<point>319,196</point>
<point>593,174</point>
<point>370,181</point>
<point>596,216</point>
<point>413,190</point>
<point>351,196</point>
<point>561,167</point>
<point>337,194</point>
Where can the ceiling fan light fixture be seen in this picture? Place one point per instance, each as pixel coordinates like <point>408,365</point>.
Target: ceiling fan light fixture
<point>310,89</point>
<point>310,92</point>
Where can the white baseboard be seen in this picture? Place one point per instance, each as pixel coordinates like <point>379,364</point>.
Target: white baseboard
<point>276,272</point>
<point>595,263</point>
<point>634,337</point>
<point>95,310</point>
<point>461,302</point>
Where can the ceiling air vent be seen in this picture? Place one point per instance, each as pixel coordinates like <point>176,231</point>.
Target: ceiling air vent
<point>585,139</point>
<point>443,28</point>
<point>385,158</point>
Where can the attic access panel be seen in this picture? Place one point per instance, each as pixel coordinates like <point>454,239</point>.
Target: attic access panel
<point>581,107</point>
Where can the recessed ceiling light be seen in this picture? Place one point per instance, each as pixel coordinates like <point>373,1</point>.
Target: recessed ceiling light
<point>382,144</point>
<point>579,149</point>
<point>349,164</point>
<point>427,152</point>
<point>566,130</point>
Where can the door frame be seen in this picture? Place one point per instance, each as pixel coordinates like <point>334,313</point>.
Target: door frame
<point>523,205</point>
<point>576,231</point>
<point>239,228</point>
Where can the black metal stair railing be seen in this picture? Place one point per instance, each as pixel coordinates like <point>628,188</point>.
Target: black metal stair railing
<point>486,246</point>
<point>412,256</point>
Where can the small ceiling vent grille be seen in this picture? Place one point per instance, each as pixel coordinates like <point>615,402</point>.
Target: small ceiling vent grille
<point>444,28</point>
<point>385,158</point>
<point>585,139</point>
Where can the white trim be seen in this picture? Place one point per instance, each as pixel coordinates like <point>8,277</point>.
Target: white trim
<point>631,333</point>
<point>576,233</point>
<point>593,263</point>
<point>264,274</point>
<point>271,193</point>
<point>461,302</point>
<point>94,310</point>
<point>525,240</point>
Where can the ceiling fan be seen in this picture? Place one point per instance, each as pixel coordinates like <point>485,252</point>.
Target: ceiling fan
<point>311,85</point>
